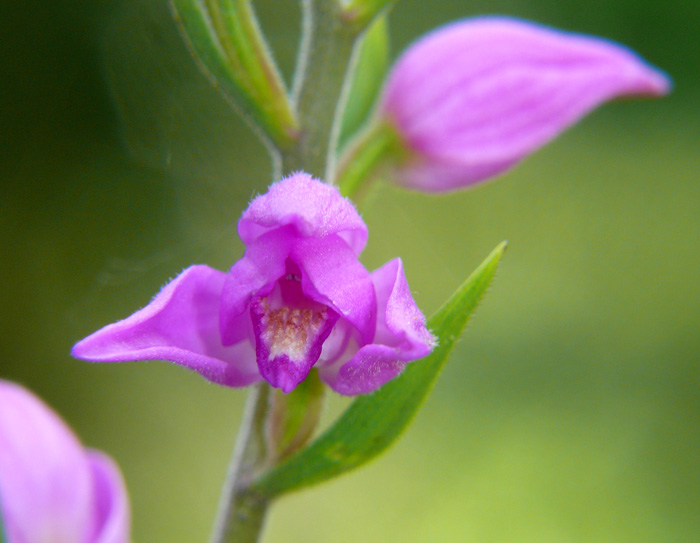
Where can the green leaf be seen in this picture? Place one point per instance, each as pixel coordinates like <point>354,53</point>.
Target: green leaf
<point>370,71</point>
<point>3,539</point>
<point>373,422</point>
<point>367,157</point>
<point>226,41</point>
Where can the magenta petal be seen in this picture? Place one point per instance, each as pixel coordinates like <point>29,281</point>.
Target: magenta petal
<point>332,275</point>
<point>289,340</point>
<point>110,501</point>
<point>180,325</point>
<point>475,97</point>
<point>45,483</point>
<point>401,336</point>
<point>312,208</point>
<point>263,263</point>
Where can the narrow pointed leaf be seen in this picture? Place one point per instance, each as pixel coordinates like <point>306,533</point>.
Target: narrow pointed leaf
<point>373,422</point>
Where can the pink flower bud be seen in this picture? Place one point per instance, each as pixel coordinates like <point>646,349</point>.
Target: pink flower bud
<point>472,99</point>
<point>51,487</point>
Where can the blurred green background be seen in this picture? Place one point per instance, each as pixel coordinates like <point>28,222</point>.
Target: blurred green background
<point>571,410</point>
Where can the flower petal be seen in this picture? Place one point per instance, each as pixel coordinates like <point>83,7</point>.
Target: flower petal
<point>111,503</point>
<point>401,336</point>
<point>313,208</point>
<point>45,481</point>
<point>263,263</point>
<point>289,340</point>
<point>484,93</point>
<point>180,325</point>
<point>332,275</point>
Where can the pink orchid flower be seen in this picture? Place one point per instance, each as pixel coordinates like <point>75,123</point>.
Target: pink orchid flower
<point>299,298</point>
<point>51,488</point>
<point>473,98</point>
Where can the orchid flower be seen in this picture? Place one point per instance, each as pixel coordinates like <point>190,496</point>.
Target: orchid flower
<point>52,490</point>
<point>298,298</point>
<point>475,97</point>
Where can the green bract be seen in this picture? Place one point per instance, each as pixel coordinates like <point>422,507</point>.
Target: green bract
<point>292,418</point>
<point>225,39</point>
<point>367,80</point>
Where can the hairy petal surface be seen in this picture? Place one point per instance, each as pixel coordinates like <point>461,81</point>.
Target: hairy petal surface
<point>401,336</point>
<point>475,97</point>
<point>289,340</point>
<point>314,209</point>
<point>180,325</point>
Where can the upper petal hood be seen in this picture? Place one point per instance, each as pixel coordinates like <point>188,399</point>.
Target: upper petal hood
<point>313,208</point>
<point>476,96</point>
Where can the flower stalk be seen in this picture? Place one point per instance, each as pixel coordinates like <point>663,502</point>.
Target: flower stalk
<point>325,60</point>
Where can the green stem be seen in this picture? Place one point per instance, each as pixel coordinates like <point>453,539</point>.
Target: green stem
<point>241,509</point>
<point>325,60</point>
<point>326,56</point>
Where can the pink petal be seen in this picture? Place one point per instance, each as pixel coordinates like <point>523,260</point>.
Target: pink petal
<point>110,501</point>
<point>401,336</point>
<point>262,265</point>
<point>45,481</point>
<point>289,340</point>
<point>312,208</point>
<point>475,97</point>
<point>332,276</point>
<point>180,325</point>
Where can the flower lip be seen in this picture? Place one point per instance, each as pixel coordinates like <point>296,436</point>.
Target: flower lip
<point>290,330</point>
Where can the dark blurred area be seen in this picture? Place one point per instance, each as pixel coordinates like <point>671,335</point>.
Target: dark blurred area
<point>571,410</point>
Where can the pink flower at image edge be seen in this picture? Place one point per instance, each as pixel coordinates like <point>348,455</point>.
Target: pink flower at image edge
<point>51,488</point>
<point>473,98</point>
<point>299,298</point>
